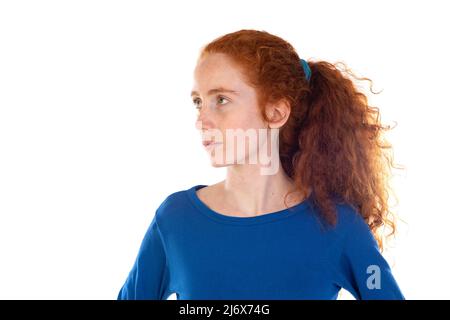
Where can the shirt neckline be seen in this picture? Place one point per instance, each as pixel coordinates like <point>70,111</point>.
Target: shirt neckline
<point>267,217</point>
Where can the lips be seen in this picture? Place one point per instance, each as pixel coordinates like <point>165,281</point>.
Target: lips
<point>207,143</point>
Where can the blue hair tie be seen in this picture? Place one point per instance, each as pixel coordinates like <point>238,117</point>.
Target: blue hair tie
<point>306,69</point>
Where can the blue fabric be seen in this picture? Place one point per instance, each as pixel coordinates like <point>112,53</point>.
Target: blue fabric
<point>198,253</point>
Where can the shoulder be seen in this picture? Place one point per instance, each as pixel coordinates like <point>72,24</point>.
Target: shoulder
<point>352,226</point>
<point>348,216</point>
<point>174,208</point>
<point>351,237</point>
<point>349,221</point>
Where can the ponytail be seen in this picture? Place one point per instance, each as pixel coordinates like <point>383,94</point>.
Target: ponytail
<point>341,154</point>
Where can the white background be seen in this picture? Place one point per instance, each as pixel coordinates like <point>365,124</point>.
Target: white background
<point>97,126</point>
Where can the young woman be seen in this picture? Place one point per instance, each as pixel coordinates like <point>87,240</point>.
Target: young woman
<point>302,225</point>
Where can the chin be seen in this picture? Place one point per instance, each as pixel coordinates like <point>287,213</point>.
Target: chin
<point>219,163</point>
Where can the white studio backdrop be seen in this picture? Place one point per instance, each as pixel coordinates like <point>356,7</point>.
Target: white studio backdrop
<point>97,126</point>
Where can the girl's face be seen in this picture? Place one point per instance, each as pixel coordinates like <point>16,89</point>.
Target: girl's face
<point>224,101</point>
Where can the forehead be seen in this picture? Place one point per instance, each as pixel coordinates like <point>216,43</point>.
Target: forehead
<point>217,70</point>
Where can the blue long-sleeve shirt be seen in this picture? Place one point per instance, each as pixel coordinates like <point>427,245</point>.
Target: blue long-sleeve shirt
<point>198,253</point>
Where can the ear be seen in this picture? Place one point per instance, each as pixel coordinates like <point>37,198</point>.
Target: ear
<point>278,113</point>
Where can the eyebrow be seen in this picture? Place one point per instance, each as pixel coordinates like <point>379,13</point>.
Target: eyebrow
<point>216,90</point>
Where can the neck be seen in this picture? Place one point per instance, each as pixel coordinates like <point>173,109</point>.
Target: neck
<point>250,193</point>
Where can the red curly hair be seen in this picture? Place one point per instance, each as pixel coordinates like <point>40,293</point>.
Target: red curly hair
<point>332,144</point>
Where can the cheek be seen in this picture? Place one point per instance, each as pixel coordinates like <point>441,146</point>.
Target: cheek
<point>246,124</point>
<point>242,120</point>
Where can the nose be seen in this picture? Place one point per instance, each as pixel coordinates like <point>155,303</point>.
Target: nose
<point>203,119</point>
<point>199,125</point>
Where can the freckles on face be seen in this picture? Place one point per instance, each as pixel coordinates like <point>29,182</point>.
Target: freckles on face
<point>224,110</point>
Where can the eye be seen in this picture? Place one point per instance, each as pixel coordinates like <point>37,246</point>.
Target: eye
<point>196,101</point>
<point>221,97</point>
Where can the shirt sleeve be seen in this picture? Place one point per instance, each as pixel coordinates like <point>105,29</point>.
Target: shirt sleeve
<point>364,271</point>
<point>149,277</point>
